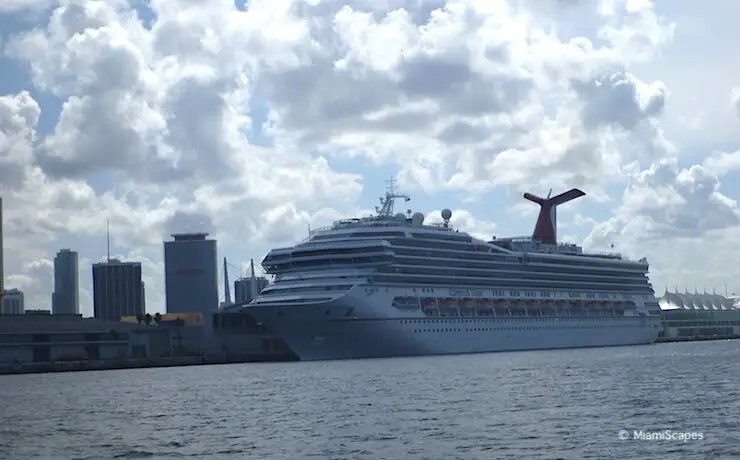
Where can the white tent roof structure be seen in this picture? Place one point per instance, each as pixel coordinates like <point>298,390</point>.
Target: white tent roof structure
<point>695,301</point>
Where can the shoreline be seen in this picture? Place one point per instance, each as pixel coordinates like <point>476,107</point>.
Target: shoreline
<point>81,366</point>
<point>694,339</point>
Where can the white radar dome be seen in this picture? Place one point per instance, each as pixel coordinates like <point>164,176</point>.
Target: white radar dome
<point>401,216</point>
<point>417,219</point>
<point>446,214</point>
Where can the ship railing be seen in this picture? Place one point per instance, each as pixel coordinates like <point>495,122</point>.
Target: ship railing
<point>441,226</point>
<point>608,255</point>
<point>515,239</point>
<point>358,221</point>
<point>315,231</point>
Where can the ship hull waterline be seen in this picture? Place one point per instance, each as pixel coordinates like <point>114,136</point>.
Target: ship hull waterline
<point>322,332</point>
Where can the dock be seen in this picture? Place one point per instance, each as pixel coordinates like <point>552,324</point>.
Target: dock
<point>695,339</point>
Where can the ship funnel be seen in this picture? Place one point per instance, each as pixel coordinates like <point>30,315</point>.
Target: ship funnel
<point>546,229</point>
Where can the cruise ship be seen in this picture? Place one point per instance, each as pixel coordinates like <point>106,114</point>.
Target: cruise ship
<point>392,285</point>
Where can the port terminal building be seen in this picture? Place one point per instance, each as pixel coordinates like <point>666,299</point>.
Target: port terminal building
<point>232,336</point>
<point>41,337</point>
<point>687,316</point>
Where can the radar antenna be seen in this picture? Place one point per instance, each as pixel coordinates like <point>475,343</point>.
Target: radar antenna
<point>386,203</point>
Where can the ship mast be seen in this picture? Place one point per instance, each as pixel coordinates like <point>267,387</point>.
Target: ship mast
<point>386,208</point>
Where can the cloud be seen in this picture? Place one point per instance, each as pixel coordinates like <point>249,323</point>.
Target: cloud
<point>252,123</point>
<point>21,6</point>
<point>665,202</point>
<point>735,100</point>
<point>463,220</point>
<point>722,163</point>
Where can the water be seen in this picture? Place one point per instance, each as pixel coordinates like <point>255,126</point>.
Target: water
<point>552,404</point>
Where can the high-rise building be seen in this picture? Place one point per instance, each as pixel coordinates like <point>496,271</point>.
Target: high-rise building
<point>2,256</point>
<point>13,303</point>
<point>66,297</point>
<point>191,276</point>
<point>246,289</point>
<point>117,290</point>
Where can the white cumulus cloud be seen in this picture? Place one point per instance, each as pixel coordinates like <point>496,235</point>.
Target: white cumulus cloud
<point>254,123</point>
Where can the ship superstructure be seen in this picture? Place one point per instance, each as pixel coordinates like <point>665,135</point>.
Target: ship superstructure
<point>394,285</point>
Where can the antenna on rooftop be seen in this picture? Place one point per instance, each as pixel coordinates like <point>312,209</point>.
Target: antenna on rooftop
<point>386,209</point>
<point>227,290</point>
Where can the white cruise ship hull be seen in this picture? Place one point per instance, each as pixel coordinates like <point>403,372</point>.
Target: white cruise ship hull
<point>363,324</point>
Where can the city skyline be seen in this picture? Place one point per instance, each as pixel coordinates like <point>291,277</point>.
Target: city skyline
<point>88,265</point>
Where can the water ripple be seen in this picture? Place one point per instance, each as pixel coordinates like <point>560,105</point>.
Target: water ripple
<point>534,405</point>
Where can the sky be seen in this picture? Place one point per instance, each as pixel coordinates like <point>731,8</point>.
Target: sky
<point>255,120</point>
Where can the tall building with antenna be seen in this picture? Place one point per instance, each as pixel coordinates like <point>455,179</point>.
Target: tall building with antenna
<point>118,289</point>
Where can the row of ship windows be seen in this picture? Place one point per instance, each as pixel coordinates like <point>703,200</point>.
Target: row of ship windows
<point>416,248</point>
<point>546,294</point>
<point>530,319</point>
<point>363,256</point>
<point>272,265</point>
<point>464,253</point>
<point>701,323</point>
<point>429,236</point>
<point>572,295</point>
<point>485,329</point>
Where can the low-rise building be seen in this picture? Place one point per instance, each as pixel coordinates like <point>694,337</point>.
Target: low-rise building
<point>13,303</point>
<point>53,338</point>
<point>231,336</point>
<point>687,316</point>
